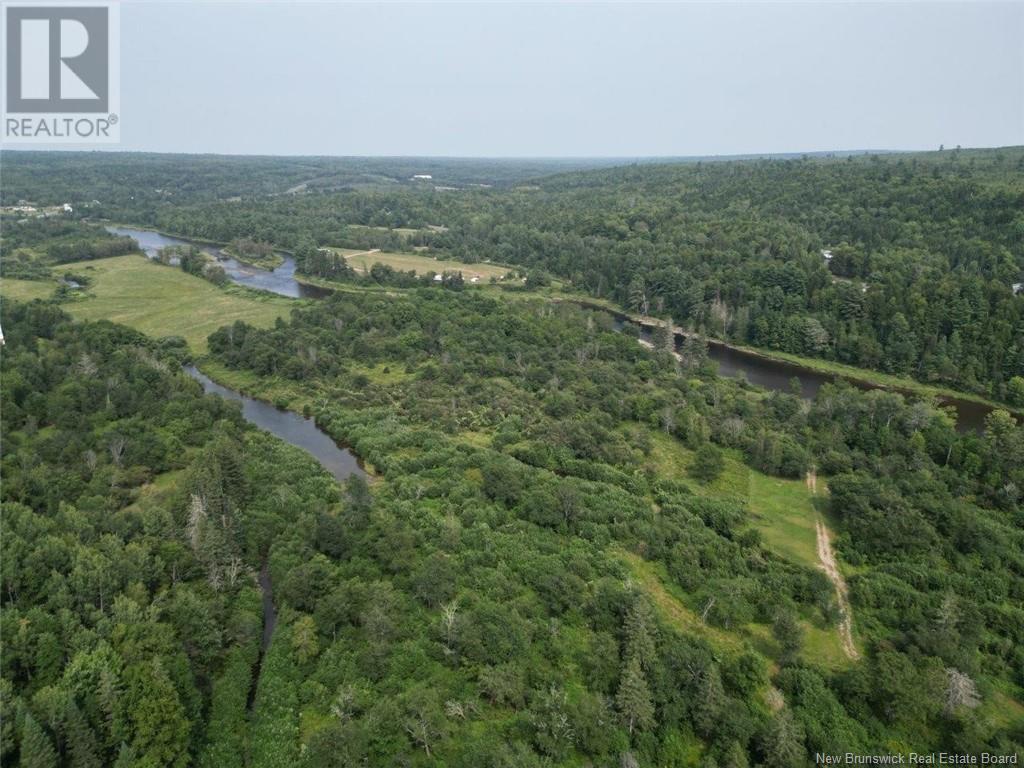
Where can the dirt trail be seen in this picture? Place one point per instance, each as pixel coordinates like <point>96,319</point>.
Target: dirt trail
<point>363,253</point>
<point>831,568</point>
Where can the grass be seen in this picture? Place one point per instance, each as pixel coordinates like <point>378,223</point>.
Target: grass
<point>271,261</point>
<point>404,232</point>
<point>26,290</point>
<point>671,459</point>
<point>404,262</point>
<point>164,301</point>
<point>1003,706</point>
<point>272,389</point>
<point>784,513</point>
<point>782,510</point>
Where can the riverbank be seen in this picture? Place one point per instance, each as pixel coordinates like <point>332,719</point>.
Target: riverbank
<point>770,369</point>
<point>863,377</point>
<point>269,262</point>
<point>165,301</point>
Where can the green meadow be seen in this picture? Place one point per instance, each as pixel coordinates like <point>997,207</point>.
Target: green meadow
<point>164,301</point>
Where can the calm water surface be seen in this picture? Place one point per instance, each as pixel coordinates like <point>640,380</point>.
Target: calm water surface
<point>778,376</point>
<point>289,426</point>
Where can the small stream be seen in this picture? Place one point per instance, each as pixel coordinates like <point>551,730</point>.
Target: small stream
<point>302,433</point>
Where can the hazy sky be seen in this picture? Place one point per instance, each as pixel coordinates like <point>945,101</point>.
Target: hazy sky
<point>569,79</point>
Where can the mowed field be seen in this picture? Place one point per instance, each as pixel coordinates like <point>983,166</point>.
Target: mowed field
<point>362,261</point>
<point>159,300</point>
<point>26,290</point>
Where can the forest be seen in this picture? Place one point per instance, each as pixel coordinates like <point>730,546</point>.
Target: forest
<point>571,548</point>
<point>478,607</point>
<point>924,250</point>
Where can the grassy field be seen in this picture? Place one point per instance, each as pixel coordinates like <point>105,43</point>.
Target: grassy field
<point>361,261</point>
<point>163,301</point>
<point>782,510</point>
<point>26,290</point>
<point>784,513</point>
<point>652,578</point>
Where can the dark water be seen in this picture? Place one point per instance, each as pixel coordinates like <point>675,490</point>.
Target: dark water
<point>280,280</point>
<point>778,376</point>
<point>269,611</point>
<point>289,426</point>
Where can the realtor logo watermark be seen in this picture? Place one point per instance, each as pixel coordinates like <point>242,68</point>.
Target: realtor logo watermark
<point>62,79</point>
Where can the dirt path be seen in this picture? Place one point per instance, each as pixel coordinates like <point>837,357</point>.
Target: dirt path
<point>362,253</point>
<point>831,568</point>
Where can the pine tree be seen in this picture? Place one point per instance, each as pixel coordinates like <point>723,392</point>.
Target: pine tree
<point>710,700</point>
<point>634,698</point>
<point>783,743</point>
<point>158,718</point>
<point>639,633</point>
<point>85,752</point>
<point>36,748</point>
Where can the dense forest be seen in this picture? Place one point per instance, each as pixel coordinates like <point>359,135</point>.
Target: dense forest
<point>141,183</point>
<point>480,606</point>
<point>573,549</point>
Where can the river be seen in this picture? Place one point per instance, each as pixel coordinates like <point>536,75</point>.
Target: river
<point>776,375</point>
<point>302,433</point>
<point>280,280</point>
<point>289,426</point>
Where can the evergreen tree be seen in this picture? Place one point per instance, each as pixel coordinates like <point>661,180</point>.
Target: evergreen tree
<point>640,629</point>
<point>36,748</point>
<point>84,751</point>
<point>634,698</point>
<point>783,742</point>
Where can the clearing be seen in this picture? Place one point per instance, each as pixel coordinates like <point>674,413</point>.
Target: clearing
<point>361,261</point>
<point>165,301</point>
<point>831,568</point>
<point>26,290</point>
<point>787,516</point>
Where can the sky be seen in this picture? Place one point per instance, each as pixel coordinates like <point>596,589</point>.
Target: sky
<point>569,79</point>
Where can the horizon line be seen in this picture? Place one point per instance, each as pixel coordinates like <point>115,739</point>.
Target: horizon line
<point>728,155</point>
